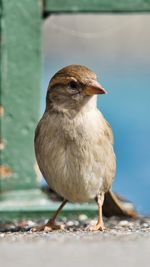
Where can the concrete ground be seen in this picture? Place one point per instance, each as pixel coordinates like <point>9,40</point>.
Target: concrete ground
<point>124,243</point>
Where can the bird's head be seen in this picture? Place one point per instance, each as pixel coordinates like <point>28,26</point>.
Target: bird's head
<point>72,87</point>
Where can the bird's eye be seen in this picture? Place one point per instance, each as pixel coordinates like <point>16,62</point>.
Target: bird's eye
<point>73,85</point>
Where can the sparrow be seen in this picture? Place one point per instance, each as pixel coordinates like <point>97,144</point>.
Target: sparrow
<point>74,142</point>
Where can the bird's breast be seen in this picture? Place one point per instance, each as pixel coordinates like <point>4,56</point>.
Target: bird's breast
<point>69,154</point>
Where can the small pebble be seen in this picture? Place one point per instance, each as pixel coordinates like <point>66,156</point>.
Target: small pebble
<point>31,223</point>
<point>93,222</point>
<point>2,235</point>
<point>83,217</point>
<point>124,223</point>
<point>70,223</point>
<point>145,225</point>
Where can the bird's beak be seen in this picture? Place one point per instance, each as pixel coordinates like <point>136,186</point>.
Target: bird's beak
<point>94,88</point>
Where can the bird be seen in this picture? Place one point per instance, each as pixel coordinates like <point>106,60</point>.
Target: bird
<point>74,142</point>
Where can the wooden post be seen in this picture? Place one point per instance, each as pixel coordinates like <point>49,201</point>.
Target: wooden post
<point>20,50</point>
<point>96,6</point>
<point>20,91</point>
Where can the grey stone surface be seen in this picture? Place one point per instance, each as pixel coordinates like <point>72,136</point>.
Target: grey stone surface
<point>124,243</point>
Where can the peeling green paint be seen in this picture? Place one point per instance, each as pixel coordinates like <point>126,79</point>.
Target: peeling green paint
<point>20,89</point>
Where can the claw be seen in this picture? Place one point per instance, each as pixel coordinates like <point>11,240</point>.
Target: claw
<point>97,227</point>
<point>49,227</point>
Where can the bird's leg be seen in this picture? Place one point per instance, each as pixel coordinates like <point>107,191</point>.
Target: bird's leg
<point>50,225</point>
<point>100,225</point>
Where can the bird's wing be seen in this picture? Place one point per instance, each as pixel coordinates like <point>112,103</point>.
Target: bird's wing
<point>108,156</point>
<point>109,132</point>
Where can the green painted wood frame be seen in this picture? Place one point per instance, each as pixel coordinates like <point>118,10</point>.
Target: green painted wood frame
<point>97,6</point>
<point>20,79</point>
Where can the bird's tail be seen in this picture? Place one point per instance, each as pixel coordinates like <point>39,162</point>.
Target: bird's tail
<point>115,205</point>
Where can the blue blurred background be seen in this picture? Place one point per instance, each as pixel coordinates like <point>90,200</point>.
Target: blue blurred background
<point>117,48</point>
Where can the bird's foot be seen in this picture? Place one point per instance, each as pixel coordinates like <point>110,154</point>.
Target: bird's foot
<point>48,227</point>
<point>96,227</point>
